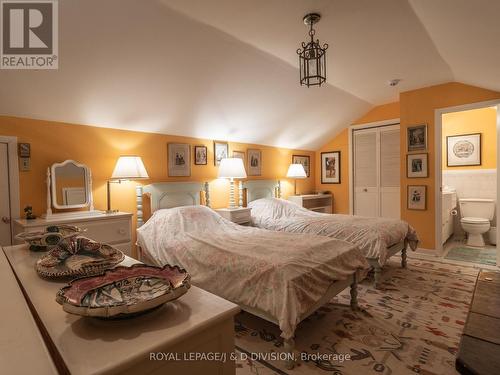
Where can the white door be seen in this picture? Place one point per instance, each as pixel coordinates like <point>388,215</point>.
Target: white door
<point>5,232</point>
<point>376,172</point>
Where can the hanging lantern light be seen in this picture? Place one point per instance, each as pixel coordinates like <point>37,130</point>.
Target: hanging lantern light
<point>312,56</point>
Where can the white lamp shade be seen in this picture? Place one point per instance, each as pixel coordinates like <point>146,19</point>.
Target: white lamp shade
<point>129,168</point>
<point>296,171</point>
<point>231,168</point>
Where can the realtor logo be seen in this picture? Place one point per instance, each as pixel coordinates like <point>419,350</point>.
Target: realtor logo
<point>29,34</point>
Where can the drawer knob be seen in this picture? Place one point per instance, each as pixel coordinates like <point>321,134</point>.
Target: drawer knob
<point>121,231</point>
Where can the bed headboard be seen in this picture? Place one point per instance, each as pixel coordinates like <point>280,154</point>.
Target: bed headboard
<point>257,189</point>
<point>170,195</point>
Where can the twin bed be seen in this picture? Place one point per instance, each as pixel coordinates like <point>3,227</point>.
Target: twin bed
<point>282,276</point>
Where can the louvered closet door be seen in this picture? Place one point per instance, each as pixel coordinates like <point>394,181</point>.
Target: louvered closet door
<point>389,173</point>
<point>366,189</point>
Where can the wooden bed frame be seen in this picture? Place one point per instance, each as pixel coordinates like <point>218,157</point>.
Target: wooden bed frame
<point>272,189</point>
<point>175,194</point>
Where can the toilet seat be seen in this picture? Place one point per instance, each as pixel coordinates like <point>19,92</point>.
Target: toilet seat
<point>474,220</point>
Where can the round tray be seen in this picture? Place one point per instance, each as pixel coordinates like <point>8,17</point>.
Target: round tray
<point>76,257</point>
<point>124,291</point>
<point>50,237</point>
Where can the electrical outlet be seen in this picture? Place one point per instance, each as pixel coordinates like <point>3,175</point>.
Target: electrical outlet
<point>25,164</point>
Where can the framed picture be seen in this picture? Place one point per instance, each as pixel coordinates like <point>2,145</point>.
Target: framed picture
<point>330,167</point>
<point>24,150</point>
<point>417,138</point>
<point>305,160</point>
<point>179,160</point>
<point>417,197</point>
<point>463,150</point>
<point>239,155</point>
<point>254,162</point>
<point>417,165</point>
<point>200,155</point>
<point>221,151</point>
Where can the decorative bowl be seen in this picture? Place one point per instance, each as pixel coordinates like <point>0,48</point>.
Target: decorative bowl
<point>124,291</point>
<point>76,257</point>
<point>45,240</point>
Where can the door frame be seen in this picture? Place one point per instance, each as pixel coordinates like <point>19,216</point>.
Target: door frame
<point>351,129</point>
<point>13,180</point>
<point>438,133</point>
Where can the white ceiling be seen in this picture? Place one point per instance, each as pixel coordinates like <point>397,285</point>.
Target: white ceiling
<point>227,69</point>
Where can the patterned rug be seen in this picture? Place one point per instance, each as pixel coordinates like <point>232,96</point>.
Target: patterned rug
<point>412,325</point>
<point>473,255</point>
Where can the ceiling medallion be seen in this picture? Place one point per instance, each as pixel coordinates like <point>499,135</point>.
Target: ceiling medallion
<point>312,56</point>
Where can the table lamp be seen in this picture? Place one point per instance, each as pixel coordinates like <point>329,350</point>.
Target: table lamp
<point>126,168</point>
<point>231,168</point>
<point>296,171</point>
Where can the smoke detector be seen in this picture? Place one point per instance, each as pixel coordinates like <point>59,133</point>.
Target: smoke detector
<point>393,82</point>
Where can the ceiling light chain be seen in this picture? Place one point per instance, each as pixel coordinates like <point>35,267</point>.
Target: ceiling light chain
<point>312,57</point>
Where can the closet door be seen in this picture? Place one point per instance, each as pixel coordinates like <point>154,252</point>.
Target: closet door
<point>366,172</point>
<point>389,199</point>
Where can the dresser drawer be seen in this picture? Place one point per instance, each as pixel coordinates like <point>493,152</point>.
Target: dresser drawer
<point>107,231</point>
<point>240,217</point>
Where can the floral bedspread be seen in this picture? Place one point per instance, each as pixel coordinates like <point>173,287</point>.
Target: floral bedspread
<point>281,274</point>
<point>371,234</point>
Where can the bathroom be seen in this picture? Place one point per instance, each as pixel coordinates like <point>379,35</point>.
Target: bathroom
<point>469,185</point>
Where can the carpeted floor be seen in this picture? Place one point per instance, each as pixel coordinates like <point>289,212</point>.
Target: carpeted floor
<point>473,255</point>
<point>411,326</point>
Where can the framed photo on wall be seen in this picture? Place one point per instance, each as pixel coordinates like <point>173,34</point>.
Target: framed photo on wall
<point>254,162</point>
<point>417,197</point>
<point>330,167</point>
<point>221,151</point>
<point>239,155</point>
<point>305,160</point>
<point>200,155</point>
<point>417,165</point>
<point>463,150</point>
<point>179,159</point>
<point>416,138</point>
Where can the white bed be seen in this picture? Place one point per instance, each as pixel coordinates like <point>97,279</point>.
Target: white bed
<point>377,238</point>
<point>281,277</point>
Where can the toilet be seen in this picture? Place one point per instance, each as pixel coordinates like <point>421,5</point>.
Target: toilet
<point>476,215</point>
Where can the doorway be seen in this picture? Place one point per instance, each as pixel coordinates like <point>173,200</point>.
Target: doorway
<point>375,169</point>
<point>9,189</point>
<point>467,140</point>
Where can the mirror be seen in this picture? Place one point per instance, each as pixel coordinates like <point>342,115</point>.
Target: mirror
<point>70,185</point>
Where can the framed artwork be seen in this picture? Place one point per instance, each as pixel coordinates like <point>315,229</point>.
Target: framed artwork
<point>417,165</point>
<point>254,162</point>
<point>416,138</point>
<point>200,155</point>
<point>330,167</point>
<point>24,150</point>
<point>221,151</point>
<point>305,160</point>
<point>463,150</point>
<point>179,159</point>
<point>417,197</point>
<point>239,155</point>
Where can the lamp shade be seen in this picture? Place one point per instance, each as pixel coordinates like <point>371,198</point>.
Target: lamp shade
<point>296,171</point>
<point>232,168</point>
<point>129,168</point>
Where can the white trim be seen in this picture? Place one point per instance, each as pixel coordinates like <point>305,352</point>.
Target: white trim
<point>13,180</point>
<point>468,171</point>
<point>368,125</point>
<point>438,125</point>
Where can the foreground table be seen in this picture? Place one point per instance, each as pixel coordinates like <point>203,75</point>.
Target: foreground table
<point>198,322</point>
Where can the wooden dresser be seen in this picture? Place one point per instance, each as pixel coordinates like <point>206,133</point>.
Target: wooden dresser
<point>314,202</point>
<point>113,229</point>
<point>197,322</point>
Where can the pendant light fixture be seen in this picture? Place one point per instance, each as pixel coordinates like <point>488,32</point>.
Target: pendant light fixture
<point>312,56</point>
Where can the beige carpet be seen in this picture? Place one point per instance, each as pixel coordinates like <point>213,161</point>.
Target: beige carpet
<point>411,326</point>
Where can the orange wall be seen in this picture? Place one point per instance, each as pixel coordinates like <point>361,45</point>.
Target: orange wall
<point>481,120</point>
<point>340,143</point>
<point>99,148</point>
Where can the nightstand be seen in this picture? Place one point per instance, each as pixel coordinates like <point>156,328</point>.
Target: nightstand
<point>240,215</point>
<point>314,202</point>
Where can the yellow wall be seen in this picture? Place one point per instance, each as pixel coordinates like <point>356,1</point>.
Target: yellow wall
<point>482,120</point>
<point>340,143</point>
<point>99,148</point>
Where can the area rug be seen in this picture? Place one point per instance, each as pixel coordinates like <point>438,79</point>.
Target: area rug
<point>411,325</point>
<point>473,255</point>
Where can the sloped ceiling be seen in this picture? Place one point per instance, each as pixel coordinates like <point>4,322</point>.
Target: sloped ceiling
<point>227,69</point>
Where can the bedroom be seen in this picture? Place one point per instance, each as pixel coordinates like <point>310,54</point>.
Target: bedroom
<point>234,90</point>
